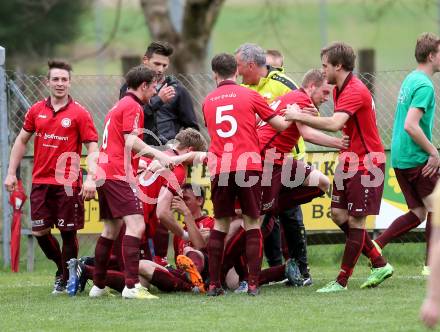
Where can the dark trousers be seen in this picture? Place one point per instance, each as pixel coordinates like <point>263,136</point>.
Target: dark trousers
<point>295,234</point>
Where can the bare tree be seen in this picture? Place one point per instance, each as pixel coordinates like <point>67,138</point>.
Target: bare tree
<point>191,43</point>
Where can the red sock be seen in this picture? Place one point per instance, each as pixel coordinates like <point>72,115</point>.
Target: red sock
<point>70,250</point>
<point>254,254</point>
<point>115,280</point>
<point>428,237</point>
<point>88,272</point>
<point>198,261</point>
<point>102,255</point>
<point>241,268</point>
<point>233,251</point>
<point>353,248</point>
<point>166,282</point>
<point>130,252</point>
<point>399,226</point>
<point>369,250</point>
<point>51,248</point>
<point>160,240</point>
<point>275,273</point>
<point>215,254</point>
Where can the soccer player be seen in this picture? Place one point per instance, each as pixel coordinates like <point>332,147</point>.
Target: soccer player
<point>359,178</point>
<point>314,91</point>
<point>430,310</point>
<point>192,261</point>
<point>61,127</point>
<point>272,83</point>
<point>118,200</point>
<point>235,166</point>
<point>413,156</point>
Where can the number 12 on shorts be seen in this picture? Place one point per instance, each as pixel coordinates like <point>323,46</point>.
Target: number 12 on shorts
<point>221,118</point>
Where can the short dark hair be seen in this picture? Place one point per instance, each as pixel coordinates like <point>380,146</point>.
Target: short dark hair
<point>197,190</point>
<point>58,64</point>
<point>159,47</point>
<point>315,76</point>
<point>339,53</point>
<point>224,65</point>
<point>138,75</point>
<point>427,43</point>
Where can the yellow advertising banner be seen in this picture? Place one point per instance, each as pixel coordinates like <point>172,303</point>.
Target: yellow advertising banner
<point>316,213</point>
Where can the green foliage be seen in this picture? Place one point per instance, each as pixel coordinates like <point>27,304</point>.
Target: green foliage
<point>35,28</point>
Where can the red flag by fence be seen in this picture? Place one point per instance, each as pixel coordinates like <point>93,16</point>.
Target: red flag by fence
<point>16,199</point>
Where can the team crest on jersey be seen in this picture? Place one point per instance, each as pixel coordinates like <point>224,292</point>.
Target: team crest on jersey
<point>66,122</point>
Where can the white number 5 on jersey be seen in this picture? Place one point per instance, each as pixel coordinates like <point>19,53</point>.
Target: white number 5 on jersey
<point>220,118</point>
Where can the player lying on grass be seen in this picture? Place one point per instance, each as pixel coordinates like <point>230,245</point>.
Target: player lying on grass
<point>187,277</point>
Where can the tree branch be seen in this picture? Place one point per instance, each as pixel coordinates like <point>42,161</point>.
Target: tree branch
<point>157,18</point>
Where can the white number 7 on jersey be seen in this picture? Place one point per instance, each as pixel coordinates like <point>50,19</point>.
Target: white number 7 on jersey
<point>219,118</point>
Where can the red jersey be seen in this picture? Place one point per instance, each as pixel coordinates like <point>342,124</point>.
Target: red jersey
<point>125,117</point>
<point>202,222</point>
<point>284,141</point>
<point>151,183</point>
<point>56,133</point>
<point>229,113</point>
<point>355,99</point>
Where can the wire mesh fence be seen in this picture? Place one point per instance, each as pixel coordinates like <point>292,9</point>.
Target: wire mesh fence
<point>99,93</point>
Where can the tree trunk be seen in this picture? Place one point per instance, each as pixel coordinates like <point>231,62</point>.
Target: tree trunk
<point>191,43</point>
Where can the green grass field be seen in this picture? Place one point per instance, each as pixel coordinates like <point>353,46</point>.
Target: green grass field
<point>27,305</point>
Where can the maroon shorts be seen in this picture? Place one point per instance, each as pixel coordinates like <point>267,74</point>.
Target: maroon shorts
<point>225,189</point>
<point>356,195</point>
<point>284,183</point>
<point>414,185</point>
<point>52,206</point>
<point>118,199</point>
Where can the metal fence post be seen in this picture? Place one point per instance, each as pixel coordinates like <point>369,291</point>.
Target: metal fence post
<point>4,146</point>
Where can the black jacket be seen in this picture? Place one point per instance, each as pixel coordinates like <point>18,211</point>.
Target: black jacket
<point>165,120</point>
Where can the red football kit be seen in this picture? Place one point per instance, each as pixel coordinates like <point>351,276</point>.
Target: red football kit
<point>352,192</point>
<point>126,117</point>
<point>58,133</point>
<point>151,183</point>
<point>355,99</point>
<point>202,222</point>
<point>229,113</point>
<point>283,141</point>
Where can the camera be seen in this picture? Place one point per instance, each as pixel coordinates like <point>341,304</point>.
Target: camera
<point>169,80</point>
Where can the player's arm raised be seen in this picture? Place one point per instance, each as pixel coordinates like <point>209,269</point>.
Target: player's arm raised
<point>329,123</point>
<point>17,152</point>
<point>195,236</point>
<point>143,149</point>
<point>412,127</point>
<point>317,137</point>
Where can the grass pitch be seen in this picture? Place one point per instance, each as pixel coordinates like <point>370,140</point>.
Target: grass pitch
<point>27,305</point>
